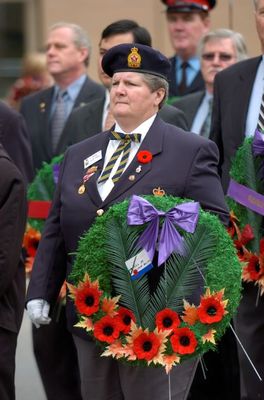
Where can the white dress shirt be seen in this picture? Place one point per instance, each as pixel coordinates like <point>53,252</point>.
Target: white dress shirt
<point>201,114</point>
<point>255,101</point>
<point>104,188</point>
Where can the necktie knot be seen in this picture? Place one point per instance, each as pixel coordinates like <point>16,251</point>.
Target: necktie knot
<point>133,137</point>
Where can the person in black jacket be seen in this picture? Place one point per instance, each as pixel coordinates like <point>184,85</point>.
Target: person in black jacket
<point>12,272</point>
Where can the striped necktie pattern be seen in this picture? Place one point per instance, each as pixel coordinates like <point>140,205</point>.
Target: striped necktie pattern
<point>124,149</point>
<point>260,125</point>
<point>205,129</point>
<point>58,119</point>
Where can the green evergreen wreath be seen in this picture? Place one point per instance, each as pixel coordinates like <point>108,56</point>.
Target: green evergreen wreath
<point>246,227</point>
<point>245,170</point>
<point>99,271</point>
<point>42,188</point>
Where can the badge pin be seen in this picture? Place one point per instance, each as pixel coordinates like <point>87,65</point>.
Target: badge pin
<point>158,192</point>
<point>92,170</point>
<point>138,169</point>
<point>92,159</point>
<point>81,189</point>
<point>42,106</point>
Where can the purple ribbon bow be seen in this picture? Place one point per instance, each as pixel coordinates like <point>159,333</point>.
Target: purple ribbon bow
<point>56,170</point>
<point>258,144</point>
<point>184,215</point>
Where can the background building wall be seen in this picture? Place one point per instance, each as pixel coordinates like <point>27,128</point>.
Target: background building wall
<point>95,15</point>
<point>30,26</point>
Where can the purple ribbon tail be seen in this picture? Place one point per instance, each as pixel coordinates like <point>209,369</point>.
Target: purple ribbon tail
<point>149,237</point>
<point>170,241</point>
<point>56,170</point>
<point>258,144</point>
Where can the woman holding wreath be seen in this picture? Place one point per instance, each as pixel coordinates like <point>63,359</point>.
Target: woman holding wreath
<point>140,155</point>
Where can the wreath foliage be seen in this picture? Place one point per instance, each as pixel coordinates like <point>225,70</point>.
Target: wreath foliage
<point>100,266</point>
<point>42,188</point>
<point>246,224</point>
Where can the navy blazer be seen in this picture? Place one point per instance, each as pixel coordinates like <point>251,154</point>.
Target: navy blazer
<point>36,110</point>
<point>183,165</point>
<point>232,92</point>
<point>189,104</point>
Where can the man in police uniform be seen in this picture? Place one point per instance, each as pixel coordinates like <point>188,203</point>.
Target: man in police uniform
<point>188,21</point>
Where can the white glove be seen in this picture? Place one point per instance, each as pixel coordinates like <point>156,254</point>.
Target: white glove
<point>38,312</point>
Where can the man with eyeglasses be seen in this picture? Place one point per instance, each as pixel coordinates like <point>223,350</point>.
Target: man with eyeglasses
<point>188,21</point>
<point>218,50</point>
<point>238,105</point>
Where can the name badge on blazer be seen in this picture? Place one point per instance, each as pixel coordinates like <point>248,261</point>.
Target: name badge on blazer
<point>92,159</point>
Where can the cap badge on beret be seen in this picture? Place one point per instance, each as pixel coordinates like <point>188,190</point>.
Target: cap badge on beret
<point>134,58</point>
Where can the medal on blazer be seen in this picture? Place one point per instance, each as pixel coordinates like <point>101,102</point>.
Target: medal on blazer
<point>158,192</point>
<point>42,106</point>
<point>90,171</point>
<point>81,189</point>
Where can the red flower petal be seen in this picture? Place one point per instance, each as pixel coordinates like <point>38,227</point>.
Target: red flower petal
<point>144,156</point>
<point>183,341</point>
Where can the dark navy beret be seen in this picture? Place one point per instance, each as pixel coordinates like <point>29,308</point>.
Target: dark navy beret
<point>189,5</point>
<point>135,57</point>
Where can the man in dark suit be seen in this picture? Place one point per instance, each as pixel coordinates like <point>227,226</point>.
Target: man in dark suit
<point>217,50</point>
<point>182,165</point>
<point>15,140</point>
<point>12,273</point>
<point>238,94</point>
<point>68,52</point>
<point>188,21</point>
<point>90,119</point>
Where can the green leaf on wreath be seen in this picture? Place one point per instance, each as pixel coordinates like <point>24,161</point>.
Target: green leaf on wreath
<point>120,246</point>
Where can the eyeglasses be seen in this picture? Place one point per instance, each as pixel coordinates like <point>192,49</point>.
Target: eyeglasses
<point>222,56</point>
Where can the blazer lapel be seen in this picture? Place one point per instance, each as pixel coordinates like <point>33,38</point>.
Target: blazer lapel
<point>152,143</point>
<point>245,84</point>
<point>44,118</point>
<point>91,184</point>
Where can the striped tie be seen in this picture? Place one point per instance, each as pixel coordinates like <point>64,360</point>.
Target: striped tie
<point>260,125</point>
<point>124,149</point>
<point>205,129</point>
<point>58,119</point>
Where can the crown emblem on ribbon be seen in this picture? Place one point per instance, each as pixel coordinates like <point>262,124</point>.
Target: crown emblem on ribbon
<point>134,59</point>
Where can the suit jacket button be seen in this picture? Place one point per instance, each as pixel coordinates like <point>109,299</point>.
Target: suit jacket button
<point>100,212</point>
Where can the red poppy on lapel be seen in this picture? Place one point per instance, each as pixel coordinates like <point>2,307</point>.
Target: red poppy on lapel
<point>144,156</point>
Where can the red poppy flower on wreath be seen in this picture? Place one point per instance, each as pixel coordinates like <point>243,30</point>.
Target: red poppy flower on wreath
<point>144,156</point>
<point>87,300</point>
<point>183,341</point>
<point>254,269</point>
<point>107,329</point>
<point>167,319</point>
<point>146,345</point>
<point>125,316</point>
<point>212,307</point>
<point>31,241</point>
<point>243,238</point>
